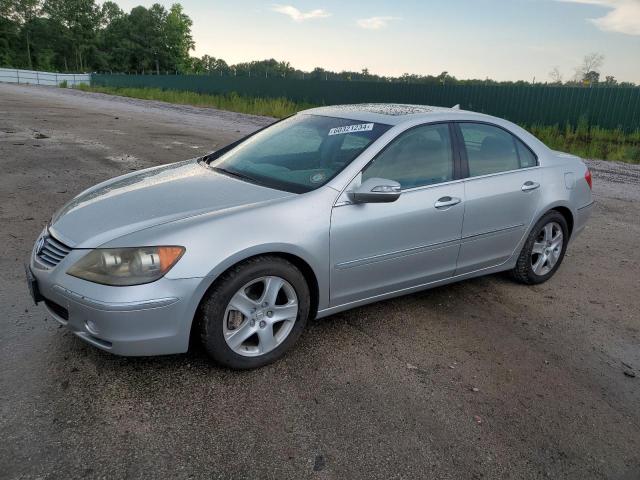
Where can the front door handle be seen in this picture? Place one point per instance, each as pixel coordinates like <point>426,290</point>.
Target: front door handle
<point>529,185</point>
<point>445,202</point>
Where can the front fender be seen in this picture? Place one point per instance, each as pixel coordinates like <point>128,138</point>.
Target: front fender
<point>297,225</point>
<point>265,249</point>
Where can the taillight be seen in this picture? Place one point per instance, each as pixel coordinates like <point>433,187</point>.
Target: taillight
<point>587,177</point>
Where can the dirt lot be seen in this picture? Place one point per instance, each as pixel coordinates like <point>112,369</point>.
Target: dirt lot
<point>482,379</point>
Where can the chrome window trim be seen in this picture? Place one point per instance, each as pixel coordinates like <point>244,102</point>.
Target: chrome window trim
<point>409,190</point>
<point>433,185</point>
<point>501,173</point>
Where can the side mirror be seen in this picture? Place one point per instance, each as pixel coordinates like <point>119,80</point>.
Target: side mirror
<point>376,190</point>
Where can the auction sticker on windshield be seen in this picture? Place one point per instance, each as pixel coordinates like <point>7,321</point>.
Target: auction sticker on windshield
<point>362,127</point>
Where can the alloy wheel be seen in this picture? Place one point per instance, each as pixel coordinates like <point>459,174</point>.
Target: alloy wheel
<point>547,248</point>
<point>260,316</point>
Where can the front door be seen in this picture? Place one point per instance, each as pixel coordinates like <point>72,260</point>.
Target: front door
<point>377,248</point>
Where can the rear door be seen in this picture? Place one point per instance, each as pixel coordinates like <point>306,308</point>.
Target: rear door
<point>502,193</point>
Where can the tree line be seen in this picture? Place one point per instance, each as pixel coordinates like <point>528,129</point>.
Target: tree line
<point>84,36</point>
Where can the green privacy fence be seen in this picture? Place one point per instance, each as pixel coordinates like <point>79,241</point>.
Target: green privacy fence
<point>606,107</point>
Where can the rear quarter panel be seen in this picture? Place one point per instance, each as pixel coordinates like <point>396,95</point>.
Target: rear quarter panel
<point>564,185</point>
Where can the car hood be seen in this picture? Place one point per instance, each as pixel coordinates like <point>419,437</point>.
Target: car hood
<point>151,197</point>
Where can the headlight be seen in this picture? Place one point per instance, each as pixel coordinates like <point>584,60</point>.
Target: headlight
<point>126,266</point>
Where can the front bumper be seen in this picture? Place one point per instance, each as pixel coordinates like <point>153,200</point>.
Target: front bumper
<point>150,319</point>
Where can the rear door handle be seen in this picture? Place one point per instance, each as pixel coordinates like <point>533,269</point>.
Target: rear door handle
<point>526,186</point>
<point>445,202</point>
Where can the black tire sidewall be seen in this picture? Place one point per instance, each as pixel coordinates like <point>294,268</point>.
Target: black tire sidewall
<point>229,283</point>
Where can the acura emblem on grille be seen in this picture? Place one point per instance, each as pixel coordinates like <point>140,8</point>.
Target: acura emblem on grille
<point>39,245</point>
<point>50,251</point>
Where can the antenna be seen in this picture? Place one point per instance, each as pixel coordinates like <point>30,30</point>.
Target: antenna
<point>456,107</point>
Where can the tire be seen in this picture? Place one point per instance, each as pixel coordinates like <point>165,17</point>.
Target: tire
<point>531,267</point>
<point>242,302</point>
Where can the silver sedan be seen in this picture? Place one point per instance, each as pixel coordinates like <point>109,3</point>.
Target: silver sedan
<point>329,209</point>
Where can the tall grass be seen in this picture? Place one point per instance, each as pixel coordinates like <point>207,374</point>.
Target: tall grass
<point>584,141</point>
<point>271,107</point>
<point>591,142</point>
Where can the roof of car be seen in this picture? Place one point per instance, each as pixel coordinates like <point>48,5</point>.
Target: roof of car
<point>389,113</point>
<point>398,113</point>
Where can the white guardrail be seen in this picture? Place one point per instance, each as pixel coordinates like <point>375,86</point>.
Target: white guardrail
<point>12,75</point>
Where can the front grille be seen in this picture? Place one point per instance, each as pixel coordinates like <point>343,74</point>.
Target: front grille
<point>52,251</point>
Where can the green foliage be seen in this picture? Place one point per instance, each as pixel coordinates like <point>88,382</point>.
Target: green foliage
<point>63,84</point>
<point>591,142</point>
<point>81,35</point>
<point>271,107</point>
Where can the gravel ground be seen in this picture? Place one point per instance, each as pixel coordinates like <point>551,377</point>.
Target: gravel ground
<point>482,379</point>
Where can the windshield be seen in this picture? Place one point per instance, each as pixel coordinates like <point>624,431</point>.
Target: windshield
<point>300,153</point>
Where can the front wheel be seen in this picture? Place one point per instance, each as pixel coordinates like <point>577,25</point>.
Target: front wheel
<point>543,251</point>
<point>256,311</point>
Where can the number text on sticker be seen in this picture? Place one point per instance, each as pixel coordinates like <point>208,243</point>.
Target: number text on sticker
<point>363,127</point>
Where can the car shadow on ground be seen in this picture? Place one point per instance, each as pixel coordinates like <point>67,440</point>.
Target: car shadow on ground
<point>334,326</point>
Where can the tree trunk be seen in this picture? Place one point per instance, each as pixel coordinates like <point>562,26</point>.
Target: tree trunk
<point>29,52</point>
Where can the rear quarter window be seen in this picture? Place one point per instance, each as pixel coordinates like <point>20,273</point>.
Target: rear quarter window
<point>527,158</point>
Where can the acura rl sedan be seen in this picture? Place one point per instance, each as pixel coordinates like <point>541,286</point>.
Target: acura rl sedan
<point>327,210</point>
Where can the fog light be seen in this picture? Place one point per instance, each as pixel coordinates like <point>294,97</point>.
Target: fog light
<point>91,327</point>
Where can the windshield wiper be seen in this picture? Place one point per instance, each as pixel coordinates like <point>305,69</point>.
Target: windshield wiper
<point>240,176</point>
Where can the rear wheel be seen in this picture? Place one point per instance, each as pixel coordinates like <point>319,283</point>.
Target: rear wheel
<point>255,313</point>
<point>543,251</point>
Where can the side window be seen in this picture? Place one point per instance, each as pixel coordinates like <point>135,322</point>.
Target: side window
<point>491,150</point>
<point>421,156</point>
<point>354,142</point>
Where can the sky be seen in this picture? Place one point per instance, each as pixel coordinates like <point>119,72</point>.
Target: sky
<point>498,39</point>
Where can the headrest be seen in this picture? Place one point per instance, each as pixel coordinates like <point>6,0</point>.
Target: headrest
<point>493,146</point>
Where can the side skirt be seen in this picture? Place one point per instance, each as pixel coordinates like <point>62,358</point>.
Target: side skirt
<point>508,265</point>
